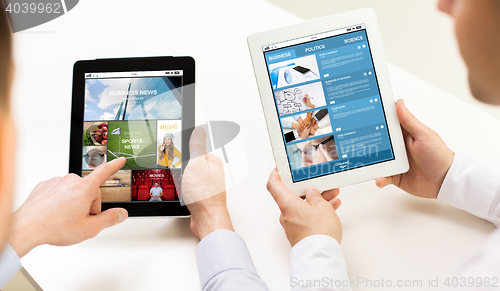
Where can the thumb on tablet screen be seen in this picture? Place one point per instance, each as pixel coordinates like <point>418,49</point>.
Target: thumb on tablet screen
<point>279,191</point>
<point>197,143</point>
<point>409,122</point>
<point>204,176</point>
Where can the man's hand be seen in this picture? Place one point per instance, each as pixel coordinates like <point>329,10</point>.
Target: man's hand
<point>65,211</point>
<point>299,218</point>
<point>430,159</point>
<point>305,133</point>
<point>314,126</point>
<point>307,121</point>
<point>308,102</point>
<point>204,188</point>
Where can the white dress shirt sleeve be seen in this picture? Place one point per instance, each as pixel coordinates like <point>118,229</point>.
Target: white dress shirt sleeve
<point>224,263</point>
<point>473,185</point>
<point>317,264</point>
<point>9,264</point>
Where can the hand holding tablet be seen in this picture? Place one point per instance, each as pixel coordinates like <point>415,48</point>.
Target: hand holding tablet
<point>204,188</point>
<point>430,158</point>
<point>302,218</point>
<point>331,69</point>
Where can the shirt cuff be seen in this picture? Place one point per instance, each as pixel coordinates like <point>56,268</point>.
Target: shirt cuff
<point>9,264</point>
<point>472,185</point>
<point>220,251</point>
<point>318,257</point>
<point>286,124</point>
<point>324,122</point>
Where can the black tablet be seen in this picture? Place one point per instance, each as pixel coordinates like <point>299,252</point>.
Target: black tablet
<point>142,109</point>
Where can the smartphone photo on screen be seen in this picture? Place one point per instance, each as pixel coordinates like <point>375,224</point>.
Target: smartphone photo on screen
<point>301,69</point>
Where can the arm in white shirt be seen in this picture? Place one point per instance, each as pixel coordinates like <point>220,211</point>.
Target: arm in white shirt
<point>470,184</point>
<point>317,263</point>
<point>9,264</point>
<point>224,263</point>
<point>473,185</point>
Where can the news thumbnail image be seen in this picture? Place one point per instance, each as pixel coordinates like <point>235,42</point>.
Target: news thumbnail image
<point>312,152</point>
<point>156,185</point>
<point>169,144</point>
<point>117,188</point>
<point>133,98</point>
<point>93,156</point>
<point>307,125</point>
<point>95,133</point>
<point>300,98</point>
<point>134,140</point>
<point>294,71</point>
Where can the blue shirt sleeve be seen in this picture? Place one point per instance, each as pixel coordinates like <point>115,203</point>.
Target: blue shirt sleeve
<point>286,124</point>
<point>9,264</point>
<point>224,263</point>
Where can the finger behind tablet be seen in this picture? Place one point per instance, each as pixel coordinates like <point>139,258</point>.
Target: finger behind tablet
<point>382,182</point>
<point>335,203</point>
<point>328,195</point>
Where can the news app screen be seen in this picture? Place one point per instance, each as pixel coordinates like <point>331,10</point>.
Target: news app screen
<point>328,101</point>
<point>138,116</point>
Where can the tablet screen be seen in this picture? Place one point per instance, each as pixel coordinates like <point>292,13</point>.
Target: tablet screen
<point>328,101</point>
<point>136,115</point>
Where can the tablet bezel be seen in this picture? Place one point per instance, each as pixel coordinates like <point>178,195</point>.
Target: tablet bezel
<point>366,16</point>
<point>187,64</point>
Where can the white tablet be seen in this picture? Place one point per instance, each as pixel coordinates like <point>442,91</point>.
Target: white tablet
<point>328,102</point>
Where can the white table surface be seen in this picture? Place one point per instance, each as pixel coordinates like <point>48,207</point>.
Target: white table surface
<point>387,233</point>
